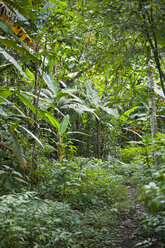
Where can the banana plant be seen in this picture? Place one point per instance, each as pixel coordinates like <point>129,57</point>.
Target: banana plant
<point>92,104</point>
<point>60,129</point>
<point>53,98</point>
<point>13,120</point>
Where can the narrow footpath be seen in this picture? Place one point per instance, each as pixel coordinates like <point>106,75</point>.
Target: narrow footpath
<point>129,222</point>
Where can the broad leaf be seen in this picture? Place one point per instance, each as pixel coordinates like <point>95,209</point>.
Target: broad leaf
<point>27,3</point>
<point>5,27</point>
<point>50,83</point>
<point>13,61</point>
<point>26,101</point>
<point>92,95</point>
<point>159,91</point>
<point>64,125</point>
<point>79,108</point>
<point>111,111</point>
<point>53,121</point>
<point>20,49</point>
<point>5,93</point>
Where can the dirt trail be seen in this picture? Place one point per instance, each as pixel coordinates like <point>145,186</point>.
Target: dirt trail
<point>129,223</point>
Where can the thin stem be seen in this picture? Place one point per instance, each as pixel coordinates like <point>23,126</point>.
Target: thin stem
<point>37,103</point>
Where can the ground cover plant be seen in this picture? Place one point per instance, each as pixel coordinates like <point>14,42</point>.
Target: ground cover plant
<point>68,211</point>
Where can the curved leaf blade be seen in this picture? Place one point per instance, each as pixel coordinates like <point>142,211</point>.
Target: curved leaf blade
<point>53,121</point>
<point>29,132</point>
<point>13,61</point>
<point>64,125</point>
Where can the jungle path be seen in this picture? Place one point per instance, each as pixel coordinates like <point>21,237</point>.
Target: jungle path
<point>129,222</point>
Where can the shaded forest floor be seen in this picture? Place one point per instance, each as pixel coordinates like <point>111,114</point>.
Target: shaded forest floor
<point>129,223</point>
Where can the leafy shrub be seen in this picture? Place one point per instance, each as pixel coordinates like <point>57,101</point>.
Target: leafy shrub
<point>152,231</point>
<point>10,180</point>
<point>95,195</point>
<point>130,153</point>
<point>27,221</point>
<point>83,183</point>
<point>153,196</point>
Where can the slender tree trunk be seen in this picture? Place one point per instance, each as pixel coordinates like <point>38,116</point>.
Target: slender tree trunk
<point>35,103</point>
<point>152,108</point>
<point>97,139</point>
<point>103,143</point>
<point>37,91</point>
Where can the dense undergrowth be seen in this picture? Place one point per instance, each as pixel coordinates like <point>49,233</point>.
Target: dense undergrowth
<point>75,204</point>
<point>78,203</point>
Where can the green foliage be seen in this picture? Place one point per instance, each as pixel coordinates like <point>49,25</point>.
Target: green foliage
<point>82,183</point>
<point>152,231</point>
<point>10,180</point>
<point>13,61</point>
<point>88,75</point>
<point>29,221</point>
<point>153,194</point>
<point>64,125</point>
<point>95,195</point>
<point>130,153</point>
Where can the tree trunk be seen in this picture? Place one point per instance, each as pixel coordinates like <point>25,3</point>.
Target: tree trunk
<point>152,109</point>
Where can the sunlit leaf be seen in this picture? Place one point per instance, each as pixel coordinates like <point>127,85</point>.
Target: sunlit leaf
<point>125,115</point>
<point>53,121</point>
<point>5,93</point>
<point>111,111</point>
<point>64,125</point>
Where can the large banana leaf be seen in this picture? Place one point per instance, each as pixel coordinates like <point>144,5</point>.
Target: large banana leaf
<point>19,49</point>
<point>24,9</point>
<point>13,61</point>
<point>92,94</point>
<point>79,108</point>
<point>27,102</point>
<point>24,97</point>
<point>111,111</point>
<point>64,125</point>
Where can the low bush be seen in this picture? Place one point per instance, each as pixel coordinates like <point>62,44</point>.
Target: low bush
<point>153,196</point>
<point>27,221</point>
<point>75,204</point>
<point>83,183</point>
